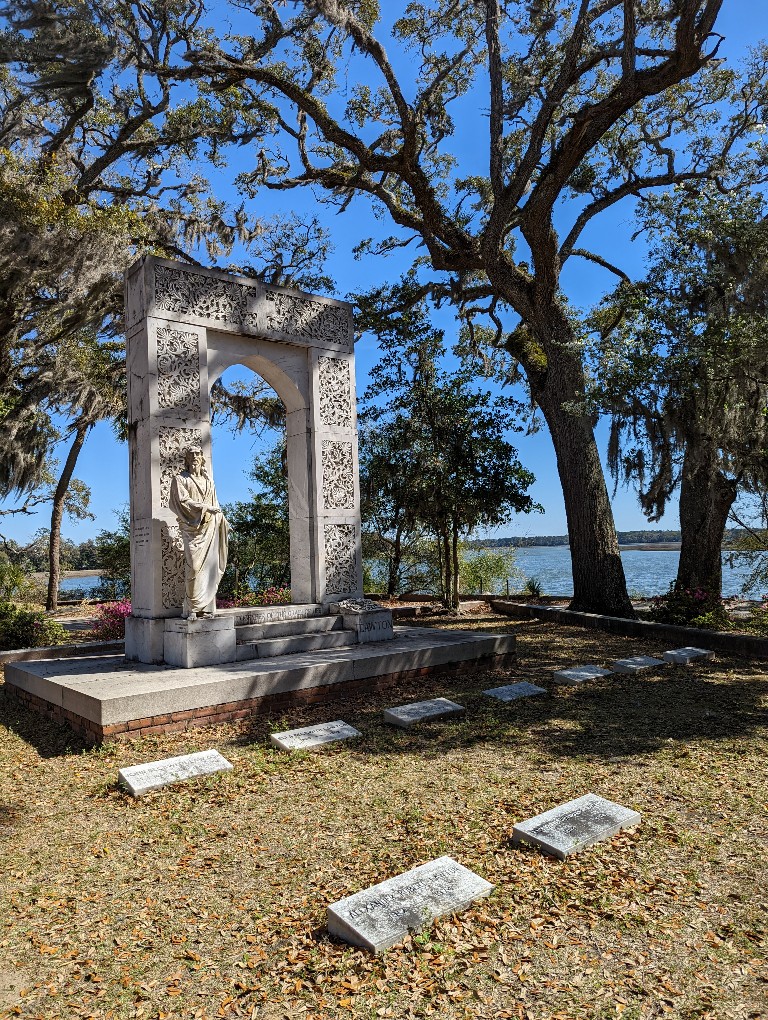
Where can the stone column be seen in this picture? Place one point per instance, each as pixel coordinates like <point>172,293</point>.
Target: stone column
<point>168,410</point>
<point>335,476</point>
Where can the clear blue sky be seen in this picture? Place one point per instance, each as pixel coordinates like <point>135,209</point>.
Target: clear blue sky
<point>103,464</point>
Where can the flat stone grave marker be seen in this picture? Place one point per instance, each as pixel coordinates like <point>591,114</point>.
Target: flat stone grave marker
<point>682,656</point>
<point>379,917</point>
<point>313,736</point>
<point>579,823</point>
<point>636,664</point>
<point>514,691</point>
<point>140,779</point>
<point>578,674</point>
<point>406,716</point>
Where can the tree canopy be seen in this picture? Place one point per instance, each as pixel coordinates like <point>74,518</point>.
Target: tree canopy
<point>584,105</point>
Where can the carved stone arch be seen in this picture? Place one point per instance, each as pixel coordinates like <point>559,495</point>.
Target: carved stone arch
<point>185,326</point>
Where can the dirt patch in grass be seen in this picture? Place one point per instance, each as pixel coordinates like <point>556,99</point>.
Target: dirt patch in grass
<point>208,899</point>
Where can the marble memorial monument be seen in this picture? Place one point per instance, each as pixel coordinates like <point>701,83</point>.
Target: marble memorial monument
<point>185,327</point>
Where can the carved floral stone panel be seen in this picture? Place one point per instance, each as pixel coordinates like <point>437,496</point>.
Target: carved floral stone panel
<point>301,316</point>
<point>340,559</point>
<point>180,292</point>
<point>338,475</point>
<point>335,392</point>
<point>178,370</point>
<point>172,581</point>
<point>173,445</point>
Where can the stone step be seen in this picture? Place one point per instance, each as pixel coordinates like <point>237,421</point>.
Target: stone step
<point>265,649</point>
<point>245,615</point>
<point>288,628</point>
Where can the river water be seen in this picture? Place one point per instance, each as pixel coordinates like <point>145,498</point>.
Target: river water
<point>648,572</point>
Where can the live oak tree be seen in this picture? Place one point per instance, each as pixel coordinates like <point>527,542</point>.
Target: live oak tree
<point>591,102</point>
<point>96,153</point>
<point>96,150</point>
<point>685,373</point>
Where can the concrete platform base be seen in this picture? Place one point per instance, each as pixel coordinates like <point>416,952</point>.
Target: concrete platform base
<point>105,697</point>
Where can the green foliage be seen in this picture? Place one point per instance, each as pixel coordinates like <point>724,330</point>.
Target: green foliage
<point>16,585</point>
<point>27,627</point>
<point>259,537</point>
<point>434,454</point>
<point>113,558</point>
<point>486,571</point>
<point>533,588</point>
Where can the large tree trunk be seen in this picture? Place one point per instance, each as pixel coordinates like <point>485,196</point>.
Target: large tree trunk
<point>706,497</point>
<point>57,512</point>
<point>395,561</point>
<point>445,541</point>
<point>599,585</point>
<point>455,558</point>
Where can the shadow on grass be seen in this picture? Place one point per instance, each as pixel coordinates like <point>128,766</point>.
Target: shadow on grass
<point>613,717</point>
<point>50,739</point>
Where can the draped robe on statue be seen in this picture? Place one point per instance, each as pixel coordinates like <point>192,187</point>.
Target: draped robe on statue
<point>205,536</point>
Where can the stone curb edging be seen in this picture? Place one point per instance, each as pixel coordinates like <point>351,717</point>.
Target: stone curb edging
<point>62,651</point>
<point>722,641</point>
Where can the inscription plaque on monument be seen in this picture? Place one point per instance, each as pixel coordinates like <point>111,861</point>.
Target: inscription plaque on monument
<point>140,779</point>
<point>578,674</point>
<point>313,736</point>
<point>579,823</point>
<point>379,917</point>
<point>511,692</point>
<point>406,716</point>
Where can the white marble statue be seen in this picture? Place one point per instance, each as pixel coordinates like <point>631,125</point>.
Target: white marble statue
<point>204,531</point>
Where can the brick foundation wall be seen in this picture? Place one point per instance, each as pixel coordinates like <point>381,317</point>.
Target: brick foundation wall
<point>212,715</point>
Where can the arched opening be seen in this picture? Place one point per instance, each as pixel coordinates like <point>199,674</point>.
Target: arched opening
<point>285,370</point>
<point>248,456</point>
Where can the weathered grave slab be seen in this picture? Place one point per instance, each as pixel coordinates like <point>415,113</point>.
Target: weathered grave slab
<point>578,674</point>
<point>571,827</point>
<point>636,664</point>
<point>380,917</point>
<point>682,656</point>
<point>406,716</point>
<point>313,736</point>
<point>140,779</point>
<point>511,692</point>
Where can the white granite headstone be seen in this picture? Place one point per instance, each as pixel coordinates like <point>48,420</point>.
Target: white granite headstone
<point>636,664</point>
<point>406,716</point>
<point>514,691</point>
<point>313,736</point>
<point>578,674</point>
<point>579,823</point>
<point>379,917</point>
<point>682,656</point>
<point>140,779</point>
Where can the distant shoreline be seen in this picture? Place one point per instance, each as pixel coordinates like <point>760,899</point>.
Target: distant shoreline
<point>42,575</point>
<point>637,547</point>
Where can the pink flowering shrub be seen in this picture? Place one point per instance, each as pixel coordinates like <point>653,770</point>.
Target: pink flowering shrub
<point>110,620</point>
<point>273,597</point>
<point>695,607</point>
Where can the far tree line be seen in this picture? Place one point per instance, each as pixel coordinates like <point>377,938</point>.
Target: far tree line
<point>109,111</point>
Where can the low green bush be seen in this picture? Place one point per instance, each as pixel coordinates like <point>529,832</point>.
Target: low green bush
<point>27,627</point>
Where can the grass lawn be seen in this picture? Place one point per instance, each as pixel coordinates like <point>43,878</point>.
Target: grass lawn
<point>208,899</point>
